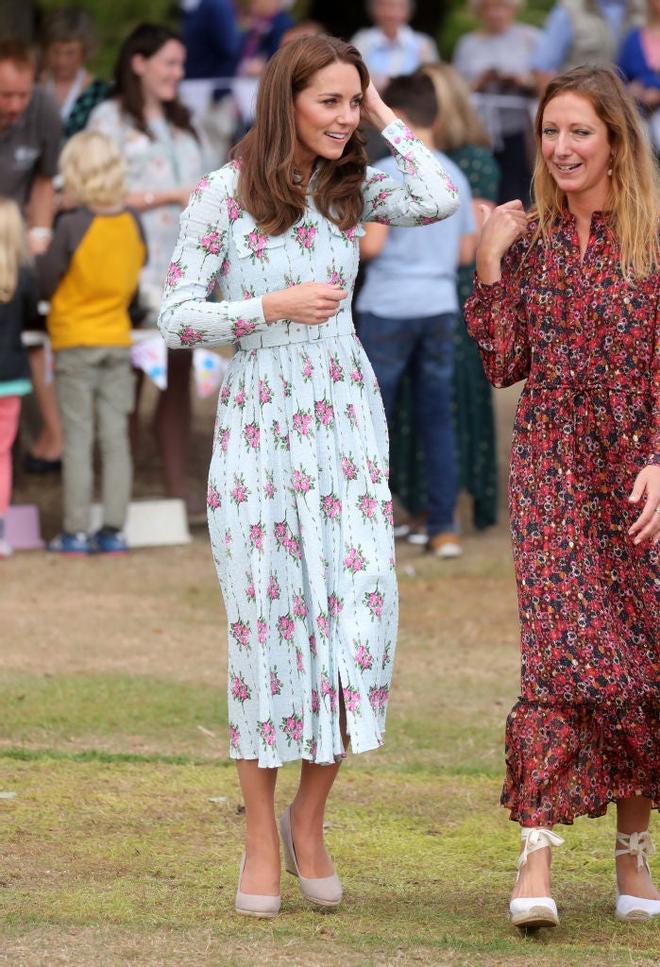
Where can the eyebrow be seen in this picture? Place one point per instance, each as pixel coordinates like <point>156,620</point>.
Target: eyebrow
<point>337,94</point>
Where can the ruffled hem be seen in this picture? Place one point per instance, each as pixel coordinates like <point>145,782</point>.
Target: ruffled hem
<point>568,761</point>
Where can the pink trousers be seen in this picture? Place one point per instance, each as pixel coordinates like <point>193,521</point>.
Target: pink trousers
<point>10,408</point>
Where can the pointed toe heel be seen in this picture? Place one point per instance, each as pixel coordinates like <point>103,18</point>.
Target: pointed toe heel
<point>255,904</point>
<point>324,891</point>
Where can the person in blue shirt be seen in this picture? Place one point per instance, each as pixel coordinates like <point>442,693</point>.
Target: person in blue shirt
<point>639,62</point>
<point>407,311</point>
<point>582,32</point>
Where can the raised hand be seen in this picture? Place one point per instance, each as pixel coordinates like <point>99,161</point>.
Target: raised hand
<point>311,303</point>
<point>500,228</point>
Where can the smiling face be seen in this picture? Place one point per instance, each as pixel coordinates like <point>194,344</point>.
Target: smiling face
<point>327,112</point>
<point>160,74</point>
<point>576,148</point>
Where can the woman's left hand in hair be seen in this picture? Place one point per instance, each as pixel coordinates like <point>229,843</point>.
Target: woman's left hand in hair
<point>374,110</point>
<point>647,525</point>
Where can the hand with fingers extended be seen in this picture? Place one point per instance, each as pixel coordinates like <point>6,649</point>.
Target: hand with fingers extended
<point>647,525</point>
<point>311,303</point>
<point>500,228</point>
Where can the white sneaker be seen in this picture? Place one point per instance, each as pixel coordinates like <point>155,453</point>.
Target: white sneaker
<point>6,550</point>
<point>530,913</point>
<point>634,909</point>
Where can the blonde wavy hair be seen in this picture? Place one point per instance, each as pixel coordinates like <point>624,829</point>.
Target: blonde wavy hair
<point>13,247</point>
<point>457,122</point>
<point>93,170</point>
<point>634,197</point>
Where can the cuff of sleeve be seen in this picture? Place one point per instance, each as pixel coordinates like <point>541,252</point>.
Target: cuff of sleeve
<point>396,132</point>
<point>253,309</point>
<point>487,292</point>
<point>654,459</point>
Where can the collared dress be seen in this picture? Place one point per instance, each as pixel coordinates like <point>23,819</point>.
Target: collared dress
<point>586,728</point>
<point>300,515</point>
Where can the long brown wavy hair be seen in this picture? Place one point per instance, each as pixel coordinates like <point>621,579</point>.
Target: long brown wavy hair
<point>146,39</point>
<point>633,204</point>
<point>267,184</point>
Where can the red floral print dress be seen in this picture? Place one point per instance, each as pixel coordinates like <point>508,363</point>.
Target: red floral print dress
<point>586,728</point>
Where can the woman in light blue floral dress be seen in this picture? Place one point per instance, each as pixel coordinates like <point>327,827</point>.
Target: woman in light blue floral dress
<point>300,514</point>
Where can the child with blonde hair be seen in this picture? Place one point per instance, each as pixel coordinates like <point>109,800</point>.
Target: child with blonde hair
<point>18,308</point>
<point>90,274</point>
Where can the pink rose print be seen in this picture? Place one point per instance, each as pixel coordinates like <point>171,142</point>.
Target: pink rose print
<point>324,413</point>
<point>302,422</point>
<point>269,486</point>
<point>316,701</point>
<point>233,209</point>
<point>250,590</point>
<point>351,700</point>
<point>350,234</point>
<point>267,732</point>
<point>336,277</point>
<point>256,241</point>
<point>285,627</point>
<point>199,188</point>
<point>328,693</point>
<point>212,498</point>
<point>335,605</point>
<point>239,689</point>
<point>312,645</point>
<point>273,591</point>
<point>302,482</point>
<point>234,736</point>
<point>323,624</point>
<point>275,682</point>
<point>265,392</point>
<point>336,372</point>
<point>388,513</point>
<point>378,697</point>
<point>225,393</point>
<point>375,473</point>
<point>174,272</point>
<point>368,506</point>
<point>257,534</point>
<point>409,163</point>
<point>292,726</point>
<point>299,606</point>
<point>374,602</point>
<point>304,235</point>
<point>240,631</point>
<point>330,506</point>
<point>252,435</point>
<point>239,398</point>
<point>363,657</point>
<point>310,749</point>
<point>281,439</point>
<point>308,368</point>
<point>357,375</point>
<point>224,272</point>
<point>290,281</point>
<point>262,631</point>
<point>348,467</point>
<point>224,434</point>
<point>350,413</point>
<point>355,560</point>
<point>300,661</point>
<point>189,336</point>
<point>387,655</point>
<point>213,281</point>
<point>239,492</point>
<point>243,327</point>
<point>286,539</point>
<point>210,242</point>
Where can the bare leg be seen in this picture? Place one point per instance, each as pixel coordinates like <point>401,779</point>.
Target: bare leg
<point>173,423</point>
<point>50,442</point>
<point>633,816</point>
<point>534,879</point>
<point>308,812</point>
<point>262,843</point>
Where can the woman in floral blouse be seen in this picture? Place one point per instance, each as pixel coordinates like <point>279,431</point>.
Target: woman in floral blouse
<point>568,299</point>
<point>299,508</point>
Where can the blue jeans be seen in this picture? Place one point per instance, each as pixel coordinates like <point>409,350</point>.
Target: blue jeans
<point>427,346</point>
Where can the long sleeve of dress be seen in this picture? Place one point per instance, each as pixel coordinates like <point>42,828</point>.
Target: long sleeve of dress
<point>496,320</point>
<point>427,193</point>
<point>654,456</point>
<point>186,317</point>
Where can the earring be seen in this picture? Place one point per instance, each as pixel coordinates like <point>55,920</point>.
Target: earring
<point>609,170</point>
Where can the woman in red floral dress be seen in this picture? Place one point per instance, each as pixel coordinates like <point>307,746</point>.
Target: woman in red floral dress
<point>567,297</point>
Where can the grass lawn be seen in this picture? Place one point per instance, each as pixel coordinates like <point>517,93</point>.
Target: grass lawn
<point>121,841</point>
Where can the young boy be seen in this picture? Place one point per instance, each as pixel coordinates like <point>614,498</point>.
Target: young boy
<point>407,312</point>
<point>90,274</point>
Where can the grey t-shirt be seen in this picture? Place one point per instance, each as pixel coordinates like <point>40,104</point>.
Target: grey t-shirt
<point>30,147</point>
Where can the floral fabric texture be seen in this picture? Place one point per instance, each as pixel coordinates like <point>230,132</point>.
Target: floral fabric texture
<point>300,515</point>
<point>586,729</point>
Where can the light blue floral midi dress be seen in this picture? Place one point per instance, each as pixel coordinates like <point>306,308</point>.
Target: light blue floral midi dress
<point>300,514</point>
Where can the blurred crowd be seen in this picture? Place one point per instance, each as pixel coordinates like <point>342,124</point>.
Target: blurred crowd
<point>94,173</point>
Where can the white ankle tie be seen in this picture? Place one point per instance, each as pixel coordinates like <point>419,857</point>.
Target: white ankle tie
<point>637,844</point>
<point>536,837</point>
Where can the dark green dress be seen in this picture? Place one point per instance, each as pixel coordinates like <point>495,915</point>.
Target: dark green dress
<point>474,423</point>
